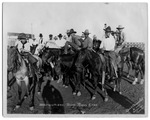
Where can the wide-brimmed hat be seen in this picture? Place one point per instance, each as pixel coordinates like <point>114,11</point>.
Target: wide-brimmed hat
<point>94,36</point>
<point>22,36</point>
<point>86,32</point>
<point>108,29</point>
<point>50,35</point>
<point>120,27</point>
<point>40,35</point>
<point>60,35</point>
<point>68,31</point>
<point>72,31</point>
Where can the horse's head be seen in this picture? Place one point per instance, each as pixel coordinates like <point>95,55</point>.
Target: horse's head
<point>96,44</point>
<point>12,58</point>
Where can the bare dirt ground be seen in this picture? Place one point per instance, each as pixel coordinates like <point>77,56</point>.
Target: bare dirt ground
<point>61,100</point>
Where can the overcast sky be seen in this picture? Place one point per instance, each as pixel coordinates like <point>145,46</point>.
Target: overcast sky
<point>55,18</point>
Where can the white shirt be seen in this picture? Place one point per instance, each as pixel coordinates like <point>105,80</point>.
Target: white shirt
<point>69,39</point>
<point>108,43</point>
<point>38,48</point>
<point>51,44</point>
<point>61,42</point>
<point>20,46</point>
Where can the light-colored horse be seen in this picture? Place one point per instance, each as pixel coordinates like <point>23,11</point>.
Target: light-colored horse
<point>20,70</point>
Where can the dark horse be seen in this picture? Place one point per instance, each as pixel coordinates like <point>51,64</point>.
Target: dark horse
<point>18,66</point>
<point>91,60</point>
<point>111,70</point>
<point>49,57</point>
<point>65,67</point>
<point>135,57</point>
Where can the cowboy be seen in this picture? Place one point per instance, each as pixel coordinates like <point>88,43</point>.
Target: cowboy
<point>33,42</point>
<point>41,38</point>
<point>24,49</point>
<point>87,42</point>
<point>120,38</point>
<point>55,38</point>
<point>108,43</point>
<point>61,41</point>
<point>94,37</point>
<point>74,42</point>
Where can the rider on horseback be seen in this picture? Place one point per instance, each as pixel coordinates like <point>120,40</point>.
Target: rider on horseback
<point>77,42</point>
<point>120,38</point>
<point>74,42</point>
<point>24,48</point>
<point>108,45</point>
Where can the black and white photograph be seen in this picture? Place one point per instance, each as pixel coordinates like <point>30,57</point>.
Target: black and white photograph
<point>75,58</point>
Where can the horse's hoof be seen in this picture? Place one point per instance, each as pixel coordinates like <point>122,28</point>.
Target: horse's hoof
<point>17,106</point>
<point>8,88</point>
<point>32,108</point>
<point>39,93</point>
<point>25,97</point>
<point>74,93</point>
<point>94,97</point>
<point>52,79</point>
<point>79,94</point>
<point>106,99</point>
<point>66,86</point>
<point>103,89</point>
<point>142,81</point>
<point>120,93</point>
<point>134,83</point>
<point>82,112</point>
<point>114,89</point>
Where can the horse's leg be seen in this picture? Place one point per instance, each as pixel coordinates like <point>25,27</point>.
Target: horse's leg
<point>136,75</point>
<point>103,86</point>
<point>19,94</point>
<point>67,81</point>
<point>119,80</point>
<point>78,91</point>
<point>142,75</point>
<point>40,84</point>
<point>33,92</point>
<point>26,80</point>
<point>95,87</point>
<point>129,67</point>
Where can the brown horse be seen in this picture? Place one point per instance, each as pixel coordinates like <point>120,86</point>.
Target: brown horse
<point>92,61</point>
<point>20,69</point>
<point>134,57</point>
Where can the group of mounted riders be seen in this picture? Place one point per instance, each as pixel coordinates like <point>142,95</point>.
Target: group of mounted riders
<point>75,57</point>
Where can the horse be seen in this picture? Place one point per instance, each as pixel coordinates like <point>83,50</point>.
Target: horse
<point>49,57</point>
<point>111,70</point>
<point>136,59</point>
<point>65,67</point>
<point>89,59</point>
<point>96,45</point>
<point>20,69</point>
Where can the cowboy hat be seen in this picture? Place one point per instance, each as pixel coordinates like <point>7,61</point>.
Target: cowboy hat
<point>94,36</point>
<point>40,35</point>
<point>86,32</point>
<point>50,35</point>
<point>108,29</point>
<point>22,36</point>
<point>68,31</point>
<point>72,31</point>
<point>60,35</point>
<point>120,27</point>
